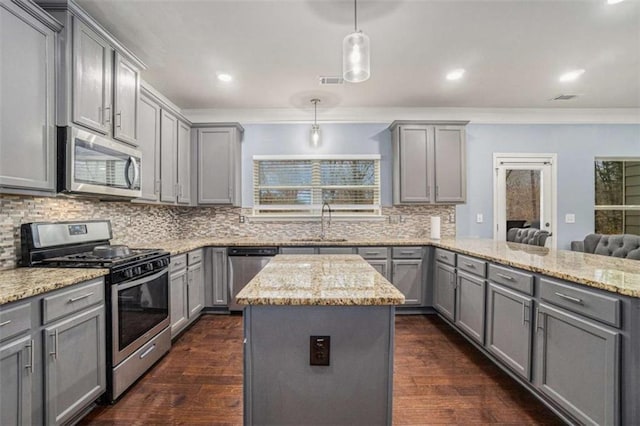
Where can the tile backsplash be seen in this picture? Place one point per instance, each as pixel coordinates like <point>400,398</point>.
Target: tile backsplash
<point>143,223</point>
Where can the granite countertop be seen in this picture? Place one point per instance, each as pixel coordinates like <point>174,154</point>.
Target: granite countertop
<point>21,283</point>
<point>327,280</point>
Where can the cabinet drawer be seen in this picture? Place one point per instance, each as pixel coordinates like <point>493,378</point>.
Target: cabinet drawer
<point>373,252</point>
<point>445,256</point>
<point>68,302</point>
<point>178,262</point>
<point>195,257</point>
<point>472,265</point>
<point>511,278</point>
<point>406,252</point>
<point>335,250</point>
<point>597,306</point>
<point>15,320</point>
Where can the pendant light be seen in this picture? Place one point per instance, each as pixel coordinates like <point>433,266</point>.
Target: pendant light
<point>356,53</point>
<point>315,128</point>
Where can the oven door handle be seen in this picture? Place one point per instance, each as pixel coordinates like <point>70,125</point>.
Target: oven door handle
<point>129,284</point>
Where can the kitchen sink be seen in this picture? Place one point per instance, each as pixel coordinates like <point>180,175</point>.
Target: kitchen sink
<point>319,240</point>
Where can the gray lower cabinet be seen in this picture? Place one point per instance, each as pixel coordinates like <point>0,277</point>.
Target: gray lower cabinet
<point>27,83</point>
<point>16,377</point>
<point>216,277</point>
<point>509,328</point>
<point>149,144</point>
<point>444,291</point>
<point>178,299</point>
<point>219,178</point>
<point>381,266</point>
<point>406,275</point>
<point>470,305</point>
<point>578,365</point>
<point>195,289</point>
<point>74,367</point>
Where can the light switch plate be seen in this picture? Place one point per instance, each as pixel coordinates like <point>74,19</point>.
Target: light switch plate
<point>479,218</point>
<point>570,218</point>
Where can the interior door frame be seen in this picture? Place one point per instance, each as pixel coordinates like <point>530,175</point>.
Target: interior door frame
<point>533,159</point>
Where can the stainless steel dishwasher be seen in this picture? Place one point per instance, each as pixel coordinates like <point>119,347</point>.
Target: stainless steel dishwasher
<point>244,264</point>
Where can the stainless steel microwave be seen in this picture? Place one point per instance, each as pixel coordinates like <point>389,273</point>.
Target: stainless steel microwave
<point>94,165</point>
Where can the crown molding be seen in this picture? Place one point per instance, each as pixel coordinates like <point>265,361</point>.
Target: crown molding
<point>387,115</point>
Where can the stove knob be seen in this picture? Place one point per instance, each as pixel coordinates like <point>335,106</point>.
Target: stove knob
<point>148,266</point>
<point>165,262</point>
<point>128,273</point>
<point>159,263</point>
<point>137,270</point>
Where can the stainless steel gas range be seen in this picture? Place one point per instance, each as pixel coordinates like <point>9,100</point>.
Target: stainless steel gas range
<point>137,291</point>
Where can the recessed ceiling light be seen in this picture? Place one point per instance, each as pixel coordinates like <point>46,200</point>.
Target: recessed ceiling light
<point>225,77</point>
<point>571,75</point>
<point>455,74</point>
<point>614,1</point>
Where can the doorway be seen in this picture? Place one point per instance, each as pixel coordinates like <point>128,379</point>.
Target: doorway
<point>524,193</point>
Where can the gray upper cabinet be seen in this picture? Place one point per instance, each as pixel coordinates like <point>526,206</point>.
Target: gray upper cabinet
<point>149,144</point>
<point>219,179</point>
<point>449,165</point>
<point>509,328</point>
<point>184,163</point>
<point>428,162</point>
<point>74,377</point>
<point>16,376</point>
<point>27,91</point>
<point>92,79</point>
<point>578,365</point>
<point>168,157</point>
<point>125,100</point>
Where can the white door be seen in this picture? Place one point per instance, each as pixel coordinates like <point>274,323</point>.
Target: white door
<point>525,193</point>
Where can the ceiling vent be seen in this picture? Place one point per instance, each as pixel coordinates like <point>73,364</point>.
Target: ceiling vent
<point>330,80</point>
<point>564,97</point>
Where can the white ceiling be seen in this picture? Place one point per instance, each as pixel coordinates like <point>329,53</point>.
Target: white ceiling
<point>513,50</point>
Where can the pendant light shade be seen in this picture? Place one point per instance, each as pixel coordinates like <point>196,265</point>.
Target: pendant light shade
<point>356,53</point>
<point>355,57</point>
<point>315,128</point>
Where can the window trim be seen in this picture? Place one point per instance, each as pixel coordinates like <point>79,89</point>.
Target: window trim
<point>313,210</point>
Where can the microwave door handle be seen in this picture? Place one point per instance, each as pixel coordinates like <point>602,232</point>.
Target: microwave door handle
<point>126,172</point>
<point>136,171</point>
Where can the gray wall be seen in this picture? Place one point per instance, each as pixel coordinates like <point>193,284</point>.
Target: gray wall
<point>576,147</point>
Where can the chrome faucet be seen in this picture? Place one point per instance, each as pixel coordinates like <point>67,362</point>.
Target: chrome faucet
<point>322,234</point>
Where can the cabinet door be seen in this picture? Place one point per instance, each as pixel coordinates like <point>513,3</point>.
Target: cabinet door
<point>16,371</point>
<point>215,166</point>
<point>184,168</point>
<point>178,294</point>
<point>578,365</point>
<point>92,76</point>
<point>28,132</point>
<point>380,266</point>
<point>450,173</point>
<point>407,277</point>
<point>470,298</point>
<point>217,288</point>
<point>149,144</point>
<point>125,103</point>
<point>75,374</point>
<point>195,290</point>
<point>168,154</point>
<point>444,291</point>
<point>416,146</point>
<point>509,328</point>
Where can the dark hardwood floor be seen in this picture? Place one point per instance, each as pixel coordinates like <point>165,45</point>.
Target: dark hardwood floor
<point>439,378</point>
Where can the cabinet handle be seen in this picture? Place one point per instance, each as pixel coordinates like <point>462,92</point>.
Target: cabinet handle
<point>437,191</point>
<point>75,299</point>
<point>525,307</point>
<point>106,118</point>
<point>503,276</point>
<point>7,322</point>
<point>156,186</point>
<point>539,325</point>
<point>148,351</point>
<point>55,344</point>
<point>31,356</point>
<point>407,252</point>
<point>119,119</point>
<point>469,265</point>
<point>569,298</point>
<point>443,256</point>
<point>371,253</point>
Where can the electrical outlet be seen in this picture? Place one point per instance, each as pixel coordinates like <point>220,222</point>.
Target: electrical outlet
<point>452,218</point>
<point>241,219</point>
<point>479,218</point>
<point>319,350</point>
<point>570,218</point>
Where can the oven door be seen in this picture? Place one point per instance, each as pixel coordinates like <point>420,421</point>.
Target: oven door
<point>139,311</point>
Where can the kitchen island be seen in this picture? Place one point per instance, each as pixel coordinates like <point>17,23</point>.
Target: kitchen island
<point>318,342</point>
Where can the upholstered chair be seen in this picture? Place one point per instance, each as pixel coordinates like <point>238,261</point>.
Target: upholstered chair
<point>531,236</point>
<point>622,245</point>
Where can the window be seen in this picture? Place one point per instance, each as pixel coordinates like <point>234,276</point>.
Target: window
<point>617,204</point>
<point>299,185</point>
